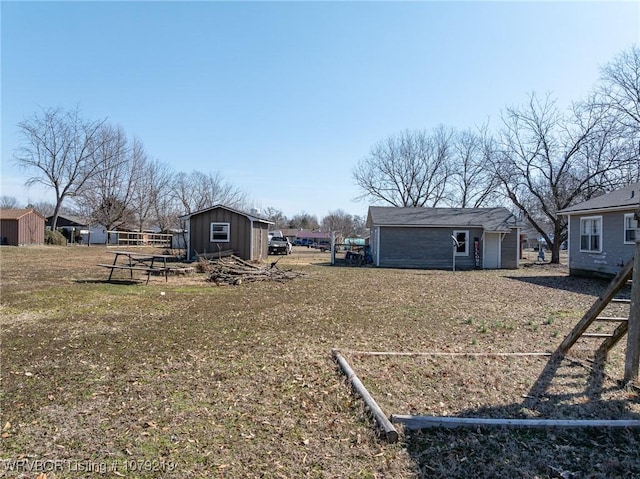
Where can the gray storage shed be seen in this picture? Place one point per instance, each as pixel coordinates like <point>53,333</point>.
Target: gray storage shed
<point>433,238</point>
<point>221,228</point>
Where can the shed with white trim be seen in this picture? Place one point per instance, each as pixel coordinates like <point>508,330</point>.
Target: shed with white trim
<point>408,237</point>
<point>220,228</point>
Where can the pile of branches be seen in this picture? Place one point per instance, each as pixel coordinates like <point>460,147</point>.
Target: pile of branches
<point>235,271</point>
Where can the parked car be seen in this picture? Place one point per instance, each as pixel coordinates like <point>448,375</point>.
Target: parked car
<point>279,245</point>
<point>322,246</point>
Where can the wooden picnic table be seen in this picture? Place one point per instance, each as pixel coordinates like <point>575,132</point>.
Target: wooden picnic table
<point>137,261</point>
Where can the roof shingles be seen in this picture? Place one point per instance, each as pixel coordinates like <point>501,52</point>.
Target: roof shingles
<point>491,219</point>
<point>624,198</point>
<point>14,214</point>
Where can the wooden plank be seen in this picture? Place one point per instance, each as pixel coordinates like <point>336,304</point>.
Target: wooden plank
<point>612,319</point>
<point>127,267</point>
<point>440,353</point>
<point>598,306</point>
<point>390,431</point>
<point>181,269</point>
<point>616,336</point>
<point>423,422</point>
<point>597,335</point>
<point>219,254</point>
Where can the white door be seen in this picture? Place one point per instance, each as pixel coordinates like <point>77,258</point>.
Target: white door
<point>491,254</point>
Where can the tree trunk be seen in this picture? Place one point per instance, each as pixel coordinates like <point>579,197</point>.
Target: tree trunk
<point>555,249</point>
<point>558,238</point>
<point>56,213</point>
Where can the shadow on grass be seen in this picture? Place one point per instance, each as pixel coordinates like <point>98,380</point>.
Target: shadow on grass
<point>565,389</point>
<point>525,453</point>
<point>107,281</point>
<point>593,286</point>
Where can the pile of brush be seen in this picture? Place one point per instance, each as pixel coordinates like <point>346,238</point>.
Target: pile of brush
<point>234,270</point>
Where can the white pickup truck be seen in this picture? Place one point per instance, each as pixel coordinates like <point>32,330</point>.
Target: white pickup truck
<point>279,245</point>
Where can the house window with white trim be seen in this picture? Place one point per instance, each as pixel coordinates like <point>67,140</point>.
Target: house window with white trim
<point>462,239</point>
<point>591,234</point>
<point>219,232</point>
<point>630,225</point>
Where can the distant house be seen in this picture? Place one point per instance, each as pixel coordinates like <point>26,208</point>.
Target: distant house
<point>221,228</point>
<point>302,236</point>
<point>80,228</point>
<point>433,238</point>
<point>20,227</point>
<point>602,232</point>
<point>178,238</point>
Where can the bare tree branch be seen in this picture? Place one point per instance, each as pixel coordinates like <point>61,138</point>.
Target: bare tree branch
<point>409,169</point>
<point>59,148</point>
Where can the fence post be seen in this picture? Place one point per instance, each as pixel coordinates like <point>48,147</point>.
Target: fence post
<point>333,247</point>
<point>632,359</point>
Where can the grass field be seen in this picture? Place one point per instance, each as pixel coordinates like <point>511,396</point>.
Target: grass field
<point>187,379</point>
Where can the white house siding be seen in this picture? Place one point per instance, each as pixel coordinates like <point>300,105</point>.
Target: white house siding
<point>179,240</point>
<point>615,252</point>
<point>510,250</point>
<point>97,235</point>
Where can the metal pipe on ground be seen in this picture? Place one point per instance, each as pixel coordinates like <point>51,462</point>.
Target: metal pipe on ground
<point>389,431</point>
<point>423,422</point>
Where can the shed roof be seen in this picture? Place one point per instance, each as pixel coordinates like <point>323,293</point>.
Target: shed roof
<point>491,219</point>
<point>72,219</point>
<point>623,199</point>
<point>251,216</point>
<point>15,214</point>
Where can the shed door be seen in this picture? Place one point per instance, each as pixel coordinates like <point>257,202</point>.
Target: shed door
<point>491,251</point>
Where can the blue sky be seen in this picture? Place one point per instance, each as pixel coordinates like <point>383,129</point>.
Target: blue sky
<point>284,98</point>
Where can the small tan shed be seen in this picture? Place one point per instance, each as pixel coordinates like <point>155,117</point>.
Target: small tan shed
<point>221,228</point>
<point>20,227</point>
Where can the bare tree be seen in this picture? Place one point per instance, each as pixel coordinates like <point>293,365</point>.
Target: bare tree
<point>198,190</point>
<point>168,212</point>
<point>342,223</point>
<point>166,209</point>
<point>10,202</point>
<point>304,221</point>
<point>547,161</point>
<point>473,185</point>
<point>106,195</point>
<point>279,219</point>
<point>46,209</point>
<point>409,169</point>
<point>620,87</point>
<point>59,147</point>
<point>143,193</point>
<point>360,225</point>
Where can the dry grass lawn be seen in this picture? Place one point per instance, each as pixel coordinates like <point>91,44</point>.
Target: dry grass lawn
<point>186,379</point>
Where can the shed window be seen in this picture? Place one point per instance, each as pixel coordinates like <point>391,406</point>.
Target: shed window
<point>630,225</point>
<point>219,232</point>
<point>591,234</point>
<point>462,237</point>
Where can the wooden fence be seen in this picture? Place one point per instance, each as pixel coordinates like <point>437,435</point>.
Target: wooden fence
<point>133,238</point>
